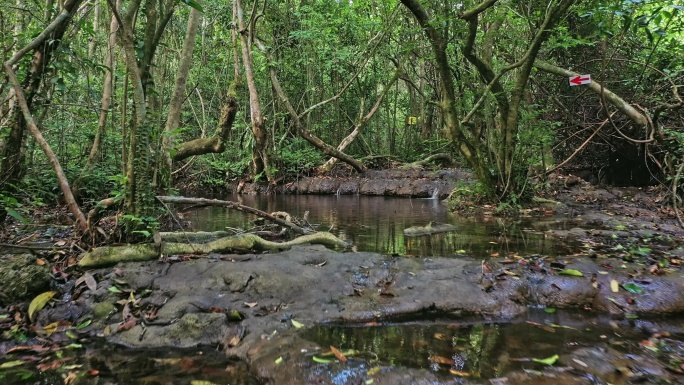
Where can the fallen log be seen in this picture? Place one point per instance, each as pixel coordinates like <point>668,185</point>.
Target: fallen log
<point>110,255</point>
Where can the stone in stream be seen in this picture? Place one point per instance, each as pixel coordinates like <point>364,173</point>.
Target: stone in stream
<point>430,228</point>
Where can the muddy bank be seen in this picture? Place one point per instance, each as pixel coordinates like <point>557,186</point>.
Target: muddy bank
<point>407,182</point>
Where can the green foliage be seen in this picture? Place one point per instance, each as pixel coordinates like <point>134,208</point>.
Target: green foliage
<point>297,156</point>
<point>466,195</point>
<point>139,227</point>
<point>12,207</point>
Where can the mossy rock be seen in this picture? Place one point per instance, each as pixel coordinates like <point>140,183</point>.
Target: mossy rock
<point>22,278</point>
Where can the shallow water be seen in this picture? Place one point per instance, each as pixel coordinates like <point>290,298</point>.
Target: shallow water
<point>477,350</point>
<point>376,224</point>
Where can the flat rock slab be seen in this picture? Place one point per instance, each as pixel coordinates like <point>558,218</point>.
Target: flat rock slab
<point>197,299</point>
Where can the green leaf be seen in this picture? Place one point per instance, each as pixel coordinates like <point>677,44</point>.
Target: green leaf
<point>114,289</point>
<point>39,303</point>
<point>633,288</point>
<point>297,324</point>
<point>547,361</point>
<point>11,364</point>
<point>84,324</point>
<point>550,310</point>
<point>71,335</point>
<point>14,214</point>
<point>322,360</point>
<point>194,4</point>
<point>279,360</point>
<point>572,272</point>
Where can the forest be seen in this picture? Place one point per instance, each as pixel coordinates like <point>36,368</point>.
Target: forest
<point>109,103</point>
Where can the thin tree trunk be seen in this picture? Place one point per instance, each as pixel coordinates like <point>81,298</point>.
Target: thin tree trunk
<point>110,63</point>
<point>297,118</point>
<point>363,119</point>
<point>172,121</point>
<point>54,162</point>
<point>12,161</point>
<point>619,103</point>
<point>259,153</point>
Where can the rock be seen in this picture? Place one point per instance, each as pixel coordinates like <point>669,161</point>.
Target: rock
<point>430,228</point>
<point>22,278</point>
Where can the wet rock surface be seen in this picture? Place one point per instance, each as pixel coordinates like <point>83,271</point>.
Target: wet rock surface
<point>247,307</point>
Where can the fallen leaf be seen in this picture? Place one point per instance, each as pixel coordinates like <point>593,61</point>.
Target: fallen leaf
<point>581,363</point>
<point>129,324</point>
<point>440,337</point>
<point>11,364</point>
<point>297,324</point>
<point>547,361</point>
<point>614,286</point>
<point>40,262</point>
<point>459,373</point>
<point>70,378</point>
<point>338,354</point>
<point>39,303</point>
<point>633,288</point>
<point>90,281</point>
<point>250,304</point>
<point>321,360</point>
<point>571,272</point>
<point>279,360</point>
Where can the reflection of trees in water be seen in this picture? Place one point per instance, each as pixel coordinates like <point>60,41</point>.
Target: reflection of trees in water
<point>377,224</point>
<point>481,239</point>
<point>470,347</point>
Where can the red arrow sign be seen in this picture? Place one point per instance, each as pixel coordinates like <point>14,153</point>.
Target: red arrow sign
<point>580,79</point>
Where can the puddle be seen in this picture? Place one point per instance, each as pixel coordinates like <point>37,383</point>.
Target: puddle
<point>480,351</point>
<point>107,364</point>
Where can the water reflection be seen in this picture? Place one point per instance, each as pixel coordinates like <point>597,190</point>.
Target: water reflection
<point>376,224</point>
<point>475,349</point>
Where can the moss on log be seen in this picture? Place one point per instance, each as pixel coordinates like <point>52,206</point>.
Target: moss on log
<point>110,255</point>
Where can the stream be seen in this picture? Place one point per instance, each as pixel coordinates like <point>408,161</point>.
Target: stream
<point>376,224</point>
<point>449,350</point>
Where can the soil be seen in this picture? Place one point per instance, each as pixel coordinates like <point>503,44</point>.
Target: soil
<point>251,305</point>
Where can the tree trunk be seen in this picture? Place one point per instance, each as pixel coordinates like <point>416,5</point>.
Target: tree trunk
<point>260,151</point>
<point>110,63</point>
<point>173,118</point>
<point>43,47</point>
<point>363,119</point>
<point>297,119</point>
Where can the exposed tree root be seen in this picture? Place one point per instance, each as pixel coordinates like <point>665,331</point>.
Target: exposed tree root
<point>109,255</point>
